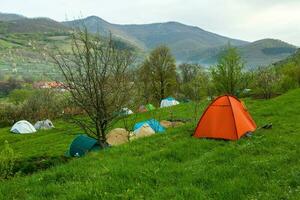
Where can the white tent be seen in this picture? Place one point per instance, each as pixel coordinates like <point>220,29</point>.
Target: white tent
<point>23,127</point>
<point>167,102</point>
<point>46,124</point>
<point>126,111</point>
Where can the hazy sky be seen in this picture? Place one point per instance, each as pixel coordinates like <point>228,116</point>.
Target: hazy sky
<point>243,19</point>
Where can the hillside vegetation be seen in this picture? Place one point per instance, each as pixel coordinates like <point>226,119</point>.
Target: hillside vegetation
<point>22,58</point>
<point>172,165</point>
<point>22,54</point>
<point>10,17</point>
<point>32,25</point>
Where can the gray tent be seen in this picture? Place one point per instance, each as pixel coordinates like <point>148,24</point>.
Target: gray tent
<point>46,124</point>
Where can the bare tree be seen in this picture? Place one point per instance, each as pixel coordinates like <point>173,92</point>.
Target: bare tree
<point>96,76</point>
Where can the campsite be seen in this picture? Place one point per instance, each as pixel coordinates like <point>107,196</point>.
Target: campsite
<point>136,109</point>
<point>265,165</point>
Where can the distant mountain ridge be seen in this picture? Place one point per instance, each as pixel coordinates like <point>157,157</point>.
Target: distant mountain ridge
<point>187,43</point>
<point>190,43</point>
<point>179,37</point>
<point>32,25</point>
<point>10,17</point>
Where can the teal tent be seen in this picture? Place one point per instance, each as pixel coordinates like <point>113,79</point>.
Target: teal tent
<point>81,145</point>
<point>154,124</point>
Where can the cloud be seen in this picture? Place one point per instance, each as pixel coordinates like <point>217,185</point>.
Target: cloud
<point>243,19</point>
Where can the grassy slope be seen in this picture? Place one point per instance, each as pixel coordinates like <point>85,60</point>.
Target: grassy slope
<point>177,166</point>
<point>25,51</point>
<point>16,49</point>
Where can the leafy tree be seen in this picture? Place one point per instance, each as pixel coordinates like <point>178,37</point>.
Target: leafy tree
<point>266,81</point>
<point>189,72</point>
<point>228,73</point>
<point>144,86</point>
<point>194,81</point>
<point>158,73</point>
<point>96,76</point>
<point>291,70</point>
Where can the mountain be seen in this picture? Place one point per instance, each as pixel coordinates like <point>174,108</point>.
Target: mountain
<point>292,60</point>
<point>265,52</point>
<point>258,53</point>
<point>31,25</point>
<point>189,43</point>
<point>10,17</point>
<point>182,39</point>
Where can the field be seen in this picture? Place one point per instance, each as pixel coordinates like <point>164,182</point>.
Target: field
<point>167,166</point>
<point>25,55</point>
<point>22,55</point>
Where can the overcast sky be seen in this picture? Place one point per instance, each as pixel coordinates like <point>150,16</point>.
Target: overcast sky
<point>242,19</point>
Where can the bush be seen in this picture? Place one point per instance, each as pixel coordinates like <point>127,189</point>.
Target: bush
<point>7,161</point>
<point>287,83</point>
<point>9,114</point>
<point>266,82</point>
<point>41,104</point>
<point>18,96</point>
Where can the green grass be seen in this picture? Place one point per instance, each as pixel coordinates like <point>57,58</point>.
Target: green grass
<point>172,165</point>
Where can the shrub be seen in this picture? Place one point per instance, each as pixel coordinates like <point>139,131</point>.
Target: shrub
<point>7,161</point>
<point>266,82</point>
<point>18,96</point>
<point>41,104</point>
<point>9,114</point>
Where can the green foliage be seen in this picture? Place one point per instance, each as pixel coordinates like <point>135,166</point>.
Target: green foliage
<point>7,161</point>
<point>266,81</point>
<point>8,114</point>
<point>158,74</point>
<point>194,82</point>
<point>289,72</point>
<point>227,74</point>
<point>33,105</point>
<point>287,83</point>
<point>18,96</point>
<point>44,104</point>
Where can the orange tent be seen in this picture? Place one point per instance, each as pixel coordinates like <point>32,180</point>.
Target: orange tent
<point>225,118</point>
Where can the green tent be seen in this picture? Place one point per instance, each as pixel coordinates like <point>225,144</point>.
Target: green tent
<point>81,145</point>
<point>150,107</point>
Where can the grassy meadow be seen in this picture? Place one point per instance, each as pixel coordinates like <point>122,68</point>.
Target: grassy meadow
<point>173,165</point>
